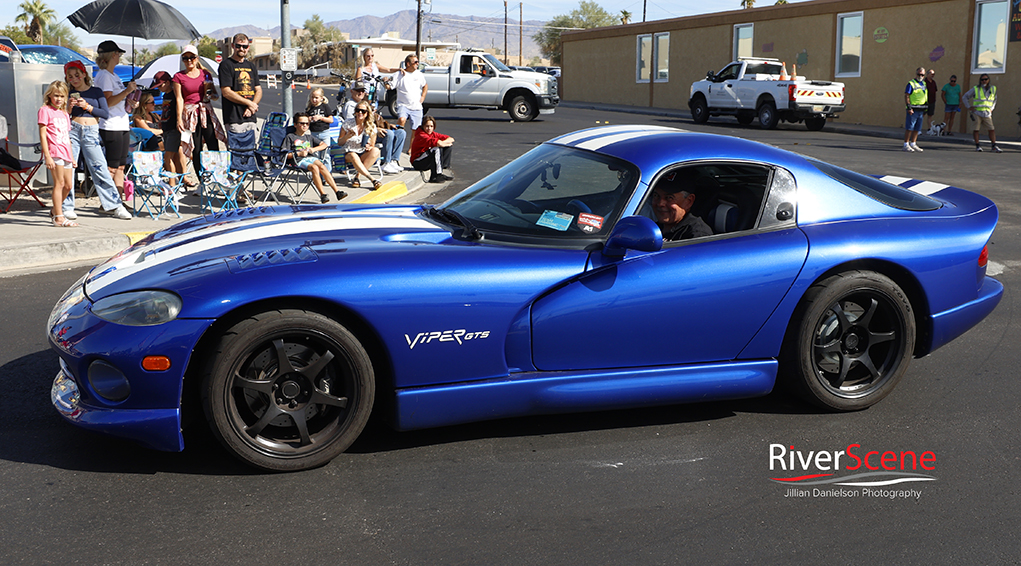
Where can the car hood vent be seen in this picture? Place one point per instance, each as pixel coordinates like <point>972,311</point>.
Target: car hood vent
<point>248,262</point>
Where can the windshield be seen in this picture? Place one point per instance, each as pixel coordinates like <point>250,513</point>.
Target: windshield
<point>550,192</point>
<point>51,55</point>
<point>496,62</point>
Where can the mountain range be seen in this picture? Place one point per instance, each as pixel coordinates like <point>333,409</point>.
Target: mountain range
<point>469,31</point>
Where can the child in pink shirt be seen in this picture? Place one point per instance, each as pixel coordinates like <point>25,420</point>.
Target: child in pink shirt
<point>55,138</point>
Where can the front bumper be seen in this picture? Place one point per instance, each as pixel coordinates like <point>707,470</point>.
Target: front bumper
<point>547,102</point>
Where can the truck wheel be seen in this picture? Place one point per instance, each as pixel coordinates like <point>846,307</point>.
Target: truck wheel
<point>522,109</point>
<point>815,124</point>
<point>745,118</point>
<point>768,117</point>
<point>699,111</point>
<point>391,104</point>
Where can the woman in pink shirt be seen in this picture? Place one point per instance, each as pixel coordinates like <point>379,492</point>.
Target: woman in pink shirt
<point>55,139</point>
<point>193,89</point>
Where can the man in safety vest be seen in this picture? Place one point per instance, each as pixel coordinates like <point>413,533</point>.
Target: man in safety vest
<point>981,100</point>
<point>917,101</point>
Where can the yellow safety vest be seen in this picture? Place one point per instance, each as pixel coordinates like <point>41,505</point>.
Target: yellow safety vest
<point>981,102</point>
<point>918,96</point>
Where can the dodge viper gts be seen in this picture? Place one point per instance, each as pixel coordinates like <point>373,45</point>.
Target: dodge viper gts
<point>546,287</point>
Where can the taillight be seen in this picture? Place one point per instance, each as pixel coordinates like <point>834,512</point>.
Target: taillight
<point>983,258</point>
<point>792,92</point>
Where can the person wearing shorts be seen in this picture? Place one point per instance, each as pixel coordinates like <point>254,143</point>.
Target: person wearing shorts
<point>951,95</point>
<point>411,90</point>
<point>916,99</point>
<point>980,101</point>
<point>301,147</point>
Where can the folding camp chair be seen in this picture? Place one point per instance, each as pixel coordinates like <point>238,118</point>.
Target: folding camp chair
<point>243,159</point>
<point>280,177</point>
<point>158,189</point>
<point>220,185</point>
<point>17,169</point>
<point>338,161</point>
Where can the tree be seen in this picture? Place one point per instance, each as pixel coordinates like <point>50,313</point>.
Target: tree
<point>57,33</point>
<point>747,4</point>
<point>625,17</point>
<point>587,15</point>
<point>780,2</point>
<point>17,34</point>
<point>207,47</point>
<point>35,14</point>
<point>167,49</point>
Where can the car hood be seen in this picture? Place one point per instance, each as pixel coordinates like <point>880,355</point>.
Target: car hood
<point>255,238</point>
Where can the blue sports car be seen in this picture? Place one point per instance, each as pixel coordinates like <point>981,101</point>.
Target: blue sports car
<point>559,283</point>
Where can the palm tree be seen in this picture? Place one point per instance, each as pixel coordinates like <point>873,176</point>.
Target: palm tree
<point>780,2</point>
<point>625,17</point>
<point>35,14</point>
<point>747,4</point>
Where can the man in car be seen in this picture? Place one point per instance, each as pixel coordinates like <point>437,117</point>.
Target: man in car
<point>671,206</point>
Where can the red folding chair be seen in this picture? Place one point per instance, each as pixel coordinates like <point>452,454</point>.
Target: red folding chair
<point>17,170</point>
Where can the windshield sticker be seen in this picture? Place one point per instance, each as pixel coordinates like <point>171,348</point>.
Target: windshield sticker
<point>557,220</point>
<point>590,223</point>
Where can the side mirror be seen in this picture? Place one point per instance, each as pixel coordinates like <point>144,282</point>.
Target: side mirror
<point>484,72</point>
<point>633,233</point>
<point>711,75</point>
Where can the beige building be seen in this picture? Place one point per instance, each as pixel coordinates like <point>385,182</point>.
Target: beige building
<point>872,46</point>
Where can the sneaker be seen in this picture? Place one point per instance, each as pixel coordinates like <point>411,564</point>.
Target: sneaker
<point>70,215</point>
<point>341,195</point>
<point>907,148</point>
<point>397,167</point>
<point>324,198</point>
<point>916,148</point>
<point>978,148</point>
<point>996,149</point>
<point>119,212</point>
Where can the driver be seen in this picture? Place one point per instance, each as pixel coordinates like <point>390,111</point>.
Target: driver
<point>671,206</point>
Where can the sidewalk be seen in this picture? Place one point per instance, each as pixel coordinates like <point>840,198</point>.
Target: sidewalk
<point>30,243</point>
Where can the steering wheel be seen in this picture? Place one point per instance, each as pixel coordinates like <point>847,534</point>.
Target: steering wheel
<point>579,205</point>
<point>525,205</point>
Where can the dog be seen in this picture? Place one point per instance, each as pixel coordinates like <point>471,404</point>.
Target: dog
<point>937,130</point>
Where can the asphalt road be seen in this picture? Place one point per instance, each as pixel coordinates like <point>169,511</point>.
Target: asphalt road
<point>673,485</point>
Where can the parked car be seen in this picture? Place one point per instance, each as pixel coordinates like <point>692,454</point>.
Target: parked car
<point>60,55</point>
<point>546,287</point>
<point>521,68</point>
<point>554,71</point>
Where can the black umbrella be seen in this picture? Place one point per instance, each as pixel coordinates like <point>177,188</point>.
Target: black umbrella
<point>147,19</point>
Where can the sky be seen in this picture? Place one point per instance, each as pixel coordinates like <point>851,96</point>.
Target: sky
<point>210,15</point>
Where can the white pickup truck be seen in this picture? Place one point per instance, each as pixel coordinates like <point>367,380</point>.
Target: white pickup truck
<point>479,80</point>
<point>750,88</point>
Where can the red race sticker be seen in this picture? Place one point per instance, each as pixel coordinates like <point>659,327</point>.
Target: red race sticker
<point>590,222</point>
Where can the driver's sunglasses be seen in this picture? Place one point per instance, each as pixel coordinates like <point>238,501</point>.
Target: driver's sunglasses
<point>240,46</point>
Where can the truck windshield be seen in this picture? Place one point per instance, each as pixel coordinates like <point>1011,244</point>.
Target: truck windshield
<point>496,62</point>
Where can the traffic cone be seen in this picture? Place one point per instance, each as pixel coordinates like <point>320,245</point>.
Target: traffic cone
<point>783,72</point>
<point>794,71</point>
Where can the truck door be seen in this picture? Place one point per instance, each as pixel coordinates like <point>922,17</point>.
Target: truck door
<point>723,91</point>
<point>474,82</point>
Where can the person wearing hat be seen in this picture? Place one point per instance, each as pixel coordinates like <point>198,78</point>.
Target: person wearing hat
<point>115,130</point>
<point>87,105</point>
<point>196,120</point>
<point>671,205</point>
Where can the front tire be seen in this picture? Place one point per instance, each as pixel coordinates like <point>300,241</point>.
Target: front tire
<point>522,109</point>
<point>699,110</point>
<point>288,390</point>
<point>850,341</point>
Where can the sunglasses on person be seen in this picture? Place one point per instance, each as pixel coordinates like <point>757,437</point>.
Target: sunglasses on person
<point>188,57</point>
<point>361,111</point>
<point>302,123</point>
<point>241,46</point>
<point>984,79</point>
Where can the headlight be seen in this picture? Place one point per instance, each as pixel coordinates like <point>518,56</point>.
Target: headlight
<point>74,295</point>
<point>139,308</point>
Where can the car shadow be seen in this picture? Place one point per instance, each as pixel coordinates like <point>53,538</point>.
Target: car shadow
<point>32,432</point>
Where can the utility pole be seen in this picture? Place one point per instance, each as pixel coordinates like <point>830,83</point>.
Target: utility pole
<point>521,34</point>
<point>506,61</point>
<point>285,43</point>
<point>418,33</point>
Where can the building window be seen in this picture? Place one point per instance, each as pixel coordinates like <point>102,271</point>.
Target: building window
<point>653,58</point>
<point>990,50</point>
<point>849,28</point>
<point>743,34</point>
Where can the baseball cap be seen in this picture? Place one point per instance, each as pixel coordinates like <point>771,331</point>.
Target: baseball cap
<point>160,77</point>
<point>360,85</point>
<point>108,47</point>
<point>190,49</point>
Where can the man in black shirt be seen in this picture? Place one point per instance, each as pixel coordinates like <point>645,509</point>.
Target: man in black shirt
<point>239,83</point>
<point>672,205</point>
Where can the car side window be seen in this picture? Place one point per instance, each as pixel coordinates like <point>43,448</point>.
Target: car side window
<point>728,197</point>
<point>729,72</point>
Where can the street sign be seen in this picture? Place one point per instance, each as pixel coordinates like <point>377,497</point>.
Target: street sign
<point>219,58</point>
<point>289,59</point>
<point>288,76</point>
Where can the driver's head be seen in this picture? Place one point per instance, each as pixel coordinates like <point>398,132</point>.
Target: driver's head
<point>670,203</point>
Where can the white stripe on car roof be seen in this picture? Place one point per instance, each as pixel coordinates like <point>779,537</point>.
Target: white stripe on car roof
<point>603,141</point>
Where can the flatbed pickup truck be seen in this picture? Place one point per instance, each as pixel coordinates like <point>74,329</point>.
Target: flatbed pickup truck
<point>750,88</point>
<point>478,80</point>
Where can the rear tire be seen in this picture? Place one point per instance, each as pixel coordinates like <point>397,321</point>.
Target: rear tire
<point>815,124</point>
<point>850,341</point>
<point>699,110</point>
<point>768,117</point>
<point>288,390</point>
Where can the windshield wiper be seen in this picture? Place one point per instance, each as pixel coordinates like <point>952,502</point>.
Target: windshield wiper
<point>454,217</point>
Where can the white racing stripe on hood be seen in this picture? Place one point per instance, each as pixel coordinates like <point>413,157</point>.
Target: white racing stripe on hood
<point>600,133</point>
<point>129,265</point>
<point>603,141</point>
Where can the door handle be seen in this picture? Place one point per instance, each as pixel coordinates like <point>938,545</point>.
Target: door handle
<point>457,81</point>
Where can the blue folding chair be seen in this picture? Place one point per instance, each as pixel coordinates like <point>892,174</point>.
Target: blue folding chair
<point>280,177</point>
<point>220,185</point>
<point>157,188</point>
